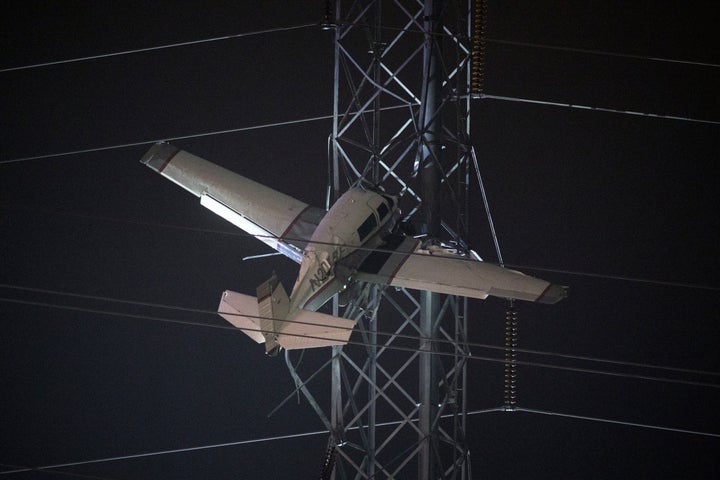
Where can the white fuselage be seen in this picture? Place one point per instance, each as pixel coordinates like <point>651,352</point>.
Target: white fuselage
<point>357,219</point>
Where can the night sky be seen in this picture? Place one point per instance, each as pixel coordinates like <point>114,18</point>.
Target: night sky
<point>621,208</point>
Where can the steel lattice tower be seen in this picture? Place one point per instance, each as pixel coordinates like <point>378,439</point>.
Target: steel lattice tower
<point>402,90</point>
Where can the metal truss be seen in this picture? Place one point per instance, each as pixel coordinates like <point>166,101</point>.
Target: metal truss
<point>401,124</point>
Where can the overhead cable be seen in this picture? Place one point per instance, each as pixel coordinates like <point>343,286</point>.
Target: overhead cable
<point>327,117</point>
<point>159,47</point>
<point>18,469</point>
<point>454,354</point>
<point>237,233</point>
<point>163,452</point>
<point>22,468</point>
<point>306,25</point>
<point>597,109</point>
<point>548,47</point>
<point>601,52</point>
<point>325,432</point>
<point>617,422</point>
<point>413,337</point>
<point>180,137</point>
<point>617,277</point>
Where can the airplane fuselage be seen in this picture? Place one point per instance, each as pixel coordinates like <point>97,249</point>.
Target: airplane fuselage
<point>359,218</point>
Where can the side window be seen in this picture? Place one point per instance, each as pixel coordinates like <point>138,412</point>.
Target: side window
<point>367,227</point>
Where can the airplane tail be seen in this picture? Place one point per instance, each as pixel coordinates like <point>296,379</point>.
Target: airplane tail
<point>273,307</point>
<point>267,319</point>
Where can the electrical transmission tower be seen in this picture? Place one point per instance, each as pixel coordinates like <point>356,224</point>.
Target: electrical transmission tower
<point>405,72</point>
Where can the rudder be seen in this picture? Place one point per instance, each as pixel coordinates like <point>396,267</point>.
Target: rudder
<point>273,306</point>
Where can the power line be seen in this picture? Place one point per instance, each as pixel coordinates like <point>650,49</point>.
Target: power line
<point>412,337</point>
<point>619,277</point>
<point>468,356</point>
<point>181,137</point>
<point>327,117</point>
<point>159,47</point>
<point>324,117</point>
<point>545,46</point>
<point>17,469</point>
<point>323,432</point>
<point>164,452</point>
<point>597,109</point>
<point>242,234</point>
<point>617,422</point>
<point>22,468</point>
<point>306,25</point>
<point>202,447</point>
<point>601,52</point>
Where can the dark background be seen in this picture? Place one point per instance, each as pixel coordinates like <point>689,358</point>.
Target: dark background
<point>617,196</point>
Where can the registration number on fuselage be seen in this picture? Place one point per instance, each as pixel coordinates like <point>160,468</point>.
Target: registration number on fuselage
<point>325,269</point>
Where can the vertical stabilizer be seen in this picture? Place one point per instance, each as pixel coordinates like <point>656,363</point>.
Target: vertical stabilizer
<point>273,306</point>
<point>242,311</point>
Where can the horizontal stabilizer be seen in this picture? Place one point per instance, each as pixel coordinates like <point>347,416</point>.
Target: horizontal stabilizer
<point>304,329</point>
<point>314,329</point>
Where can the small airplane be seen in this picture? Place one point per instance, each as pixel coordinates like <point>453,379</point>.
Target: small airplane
<point>355,240</point>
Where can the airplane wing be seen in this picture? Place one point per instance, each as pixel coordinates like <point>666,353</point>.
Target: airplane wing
<point>403,263</point>
<point>274,218</point>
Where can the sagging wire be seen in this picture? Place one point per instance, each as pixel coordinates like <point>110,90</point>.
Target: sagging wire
<point>473,255</point>
<point>411,337</point>
<point>323,432</point>
<point>413,350</point>
<point>158,47</point>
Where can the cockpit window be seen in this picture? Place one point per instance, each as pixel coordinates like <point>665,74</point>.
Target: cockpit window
<point>382,211</point>
<point>390,200</point>
<point>367,227</point>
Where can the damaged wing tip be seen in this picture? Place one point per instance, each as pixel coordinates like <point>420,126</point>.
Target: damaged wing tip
<point>553,294</point>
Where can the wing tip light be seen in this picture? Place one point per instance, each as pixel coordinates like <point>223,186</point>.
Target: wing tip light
<point>159,155</point>
<point>553,294</point>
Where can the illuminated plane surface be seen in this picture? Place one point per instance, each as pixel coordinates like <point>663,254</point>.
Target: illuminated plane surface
<point>355,240</point>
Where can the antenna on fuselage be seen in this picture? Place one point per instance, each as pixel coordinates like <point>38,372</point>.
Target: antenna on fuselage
<point>262,255</point>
